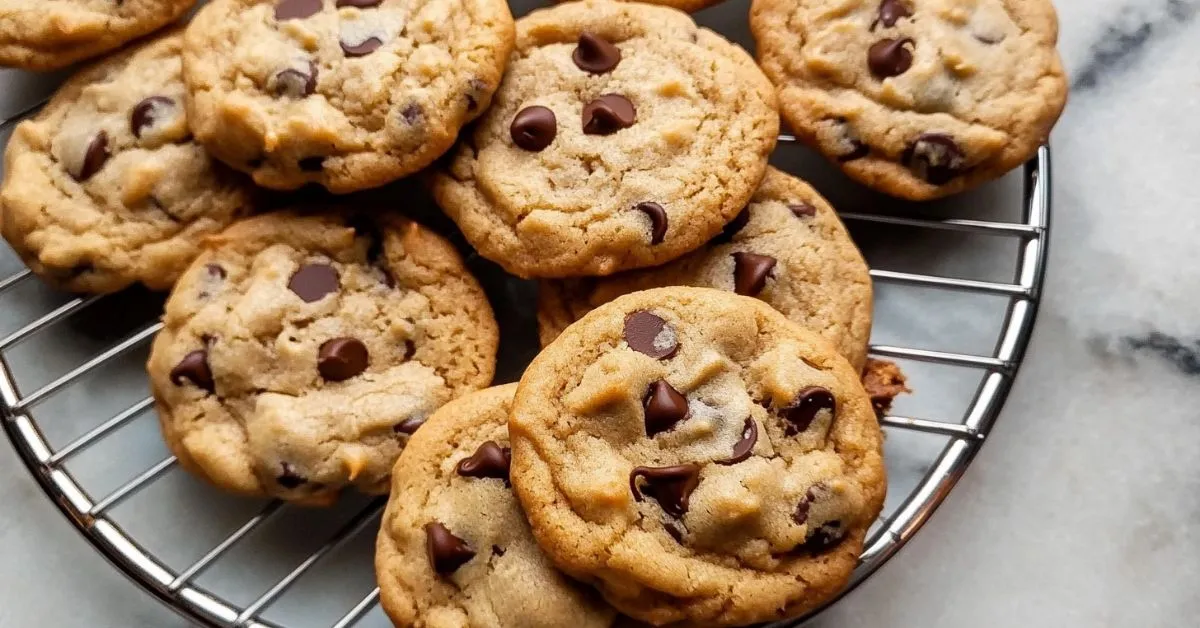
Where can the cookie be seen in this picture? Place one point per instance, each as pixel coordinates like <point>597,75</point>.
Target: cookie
<point>691,6</point>
<point>916,98</point>
<point>299,353</point>
<point>622,136</point>
<point>350,94</point>
<point>454,548</point>
<point>787,248</point>
<point>52,34</point>
<point>697,457</point>
<point>105,187</point>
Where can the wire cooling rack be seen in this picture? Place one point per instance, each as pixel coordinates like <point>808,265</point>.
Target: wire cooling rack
<point>74,404</point>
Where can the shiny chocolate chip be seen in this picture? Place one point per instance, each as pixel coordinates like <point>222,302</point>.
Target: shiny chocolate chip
<point>803,410</point>
<point>889,57</point>
<point>409,426</point>
<point>738,223</point>
<point>608,114</point>
<point>800,515</point>
<point>658,220</point>
<point>665,407</point>
<point>149,112</point>
<point>890,12</point>
<point>342,358</point>
<point>94,157</point>
<point>745,445</point>
<point>802,210</point>
<point>313,281</point>
<point>296,9</point>
<point>671,486</point>
<point>446,552</point>
<point>361,4</point>
<point>534,128</point>
<point>651,335</point>
<point>935,157</point>
<point>595,54</point>
<point>750,272</point>
<point>289,479</point>
<point>194,368</point>
<point>296,83</point>
<point>489,461</point>
<point>825,537</point>
<point>363,48</point>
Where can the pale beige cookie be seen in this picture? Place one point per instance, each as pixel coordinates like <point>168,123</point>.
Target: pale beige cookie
<point>623,136</point>
<point>691,6</point>
<point>52,34</point>
<point>697,457</point>
<point>787,248</point>
<point>350,94</point>
<point>454,549</point>
<point>299,353</point>
<point>915,98</point>
<point>105,187</point>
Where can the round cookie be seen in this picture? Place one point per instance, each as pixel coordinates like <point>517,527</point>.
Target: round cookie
<point>787,247</point>
<point>697,457</point>
<point>454,548</point>
<point>105,187</point>
<point>299,353</point>
<point>52,34</point>
<point>691,6</point>
<point>623,136</point>
<point>350,94</point>
<point>916,98</point>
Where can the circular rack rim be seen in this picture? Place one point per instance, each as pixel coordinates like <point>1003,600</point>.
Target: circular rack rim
<point>177,591</point>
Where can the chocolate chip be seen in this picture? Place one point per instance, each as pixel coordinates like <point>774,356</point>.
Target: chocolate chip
<point>889,57</point>
<point>312,164</point>
<point>497,550</point>
<point>148,112</point>
<point>824,538</point>
<point>489,461</point>
<point>800,515</point>
<point>675,530</point>
<point>446,552</point>
<point>412,114</point>
<point>93,158</point>
<point>409,426</point>
<point>296,9</point>
<point>935,157</point>
<point>409,349</point>
<point>289,479</point>
<point>890,12</point>
<point>608,114</point>
<point>742,448</point>
<point>363,48</point>
<point>361,4</point>
<point>738,223</point>
<point>669,486</point>
<point>194,367</point>
<point>215,270</point>
<point>802,210</point>
<point>665,407</point>
<point>342,358</point>
<point>313,281</point>
<point>750,272</point>
<point>658,220</point>
<point>295,83</point>
<point>801,412</point>
<point>595,54</point>
<point>651,335</point>
<point>534,128</point>
<point>858,151</point>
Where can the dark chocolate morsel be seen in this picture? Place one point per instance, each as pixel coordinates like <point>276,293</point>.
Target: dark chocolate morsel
<point>194,368</point>
<point>361,4</point>
<point>94,157</point>
<point>446,552</point>
<point>890,12</point>
<point>670,486</point>
<point>802,210</point>
<point>296,9</point>
<point>363,48</point>
<point>742,448</point>
<point>595,54</point>
<point>750,272</point>
<point>801,412</point>
<point>825,537</point>
<point>145,113</point>
<point>935,158</point>
<point>664,406</point>
<point>289,479</point>
<point>649,334</point>
<point>608,114</point>
<point>313,281</point>
<point>342,358</point>
<point>533,128</point>
<point>215,270</point>
<point>658,220</point>
<point>296,83</point>
<point>889,57</point>
<point>489,461</point>
<point>409,426</point>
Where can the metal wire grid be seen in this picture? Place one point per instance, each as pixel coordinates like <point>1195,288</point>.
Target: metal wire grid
<point>179,590</point>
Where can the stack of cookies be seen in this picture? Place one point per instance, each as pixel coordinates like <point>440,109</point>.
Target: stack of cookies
<point>696,444</point>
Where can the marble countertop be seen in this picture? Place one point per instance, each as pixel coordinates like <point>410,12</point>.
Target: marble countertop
<point>1083,509</point>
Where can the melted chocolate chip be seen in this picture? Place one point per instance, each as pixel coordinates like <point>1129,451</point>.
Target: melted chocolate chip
<point>738,223</point>
<point>534,128</point>
<point>312,164</point>
<point>802,210</point>
<point>935,158</point>
<point>215,270</point>
<point>446,552</point>
<point>146,113</point>
<point>742,448</point>
<point>295,83</point>
<point>342,358</point>
<point>824,538</point>
<point>289,479</point>
<point>94,157</point>
<point>313,281</point>
<point>665,407</point>
<point>671,486</point>
<point>750,272</point>
<point>194,368</point>
<point>890,12</point>
<point>361,4</point>
<point>489,461</point>
<point>801,413</point>
<point>658,220</point>
<point>412,114</point>
<point>608,114</point>
<point>363,48</point>
<point>649,334</point>
<point>595,54</point>
<point>800,515</point>
<point>409,426</point>
<point>296,9</point>
<point>889,57</point>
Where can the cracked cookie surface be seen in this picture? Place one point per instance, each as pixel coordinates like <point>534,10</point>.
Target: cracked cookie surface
<point>622,136</point>
<point>105,188</point>
<point>787,248</point>
<point>52,34</point>
<point>299,353</point>
<point>454,548</point>
<point>697,457</point>
<point>350,94</point>
<point>916,98</point>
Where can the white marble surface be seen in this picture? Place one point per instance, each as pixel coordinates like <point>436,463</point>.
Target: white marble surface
<point>1083,509</point>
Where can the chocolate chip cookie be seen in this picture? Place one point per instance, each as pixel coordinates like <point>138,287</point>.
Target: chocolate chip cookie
<point>52,34</point>
<point>622,136</point>
<point>915,98</point>
<point>691,6</point>
<point>454,548</point>
<point>787,248</point>
<point>350,94</point>
<point>105,187</point>
<point>299,353</point>
<point>698,457</point>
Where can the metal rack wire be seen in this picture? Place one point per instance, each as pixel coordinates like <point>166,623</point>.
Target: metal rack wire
<point>178,586</point>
